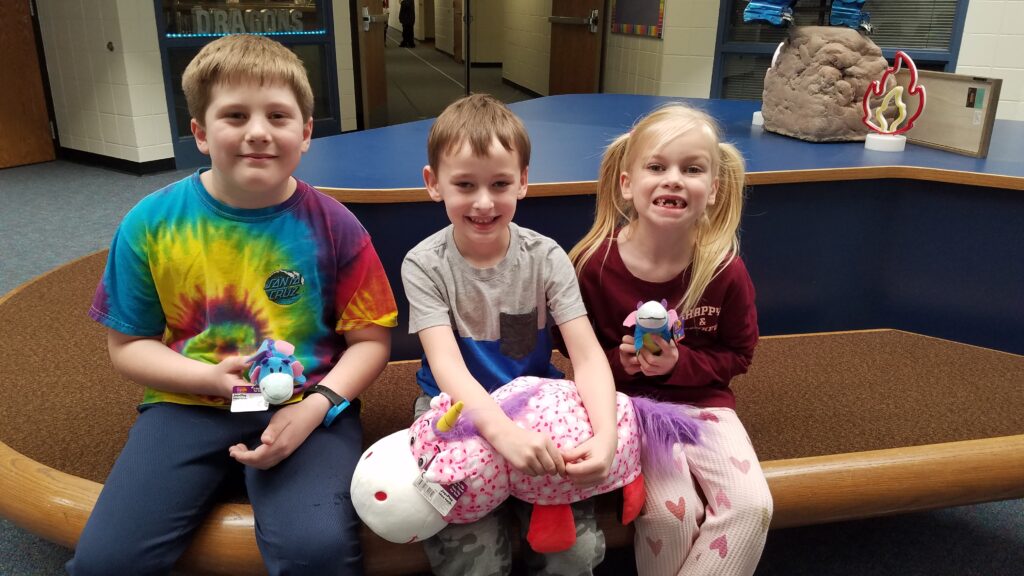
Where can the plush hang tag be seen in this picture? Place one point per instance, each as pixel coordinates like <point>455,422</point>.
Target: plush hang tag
<point>248,399</point>
<point>441,497</point>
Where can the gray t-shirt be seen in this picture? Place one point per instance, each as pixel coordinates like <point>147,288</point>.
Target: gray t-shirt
<point>500,315</point>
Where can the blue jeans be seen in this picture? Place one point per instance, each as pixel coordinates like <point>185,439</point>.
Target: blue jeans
<point>174,466</point>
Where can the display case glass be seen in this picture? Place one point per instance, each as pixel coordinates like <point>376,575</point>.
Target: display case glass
<point>302,25</point>
<point>185,18</point>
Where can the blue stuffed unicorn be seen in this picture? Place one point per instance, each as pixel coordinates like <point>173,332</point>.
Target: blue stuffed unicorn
<point>652,318</point>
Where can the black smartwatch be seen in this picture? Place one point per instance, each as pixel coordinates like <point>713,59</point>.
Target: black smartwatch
<point>338,402</point>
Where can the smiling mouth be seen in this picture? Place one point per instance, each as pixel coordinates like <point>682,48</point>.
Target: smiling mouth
<point>670,202</point>
<point>482,221</point>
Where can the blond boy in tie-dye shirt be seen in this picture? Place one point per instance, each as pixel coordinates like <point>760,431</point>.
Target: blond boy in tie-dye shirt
<point>199,274</point>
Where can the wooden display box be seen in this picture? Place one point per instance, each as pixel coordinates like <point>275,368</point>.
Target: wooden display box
<point>959,112</point>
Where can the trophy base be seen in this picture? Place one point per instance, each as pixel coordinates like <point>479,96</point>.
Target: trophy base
<point>885,142</point>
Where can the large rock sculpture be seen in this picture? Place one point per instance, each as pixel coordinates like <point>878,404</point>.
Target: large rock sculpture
<point>813,91</point>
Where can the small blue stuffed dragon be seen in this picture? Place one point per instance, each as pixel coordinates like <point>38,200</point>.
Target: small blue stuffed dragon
<point>652,318</point>
<point>276,371</point>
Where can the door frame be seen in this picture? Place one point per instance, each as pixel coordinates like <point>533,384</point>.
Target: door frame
<point>44,75</point>
<point>355,22</point>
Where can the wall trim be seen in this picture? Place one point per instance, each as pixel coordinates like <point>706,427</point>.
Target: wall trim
<point>119,164</point>
<point>521,87</point>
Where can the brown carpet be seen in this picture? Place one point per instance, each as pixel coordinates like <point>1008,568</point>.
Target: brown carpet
<point>62,404</point>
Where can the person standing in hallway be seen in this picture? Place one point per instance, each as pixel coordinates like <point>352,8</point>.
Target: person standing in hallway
<point>407,16</point>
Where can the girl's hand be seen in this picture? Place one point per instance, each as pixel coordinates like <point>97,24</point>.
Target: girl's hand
<point>628,357</point>
<point>652,364</point>
<point>589,463</point>
<point>529,452</point>
<point>227,374</point>
<point>287,430</point>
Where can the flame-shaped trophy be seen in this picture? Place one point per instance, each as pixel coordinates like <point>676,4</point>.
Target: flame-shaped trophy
<point>887,135</point>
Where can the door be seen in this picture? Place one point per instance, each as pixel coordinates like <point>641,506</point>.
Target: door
<point>372,72</point>
<point>457,29</point>
<point>426,19</point>
<point>577,34</point>
<point>25,137</point>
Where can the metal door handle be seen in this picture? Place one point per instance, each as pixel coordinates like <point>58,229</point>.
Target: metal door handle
<point>372,18</point>
<point>593,20</point>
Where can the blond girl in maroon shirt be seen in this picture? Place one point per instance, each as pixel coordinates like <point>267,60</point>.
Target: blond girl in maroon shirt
<point>669,201</point>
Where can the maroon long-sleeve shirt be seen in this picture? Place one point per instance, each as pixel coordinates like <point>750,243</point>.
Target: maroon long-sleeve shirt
<point>720,333</point>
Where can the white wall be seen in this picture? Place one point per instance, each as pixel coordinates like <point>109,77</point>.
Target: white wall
<point>344,55</point>
<point>106,102</point>
<point>993,46</point>
<point>424,28</point>
<point>393,8</point>
<point>679,64</point>
<point>443,27</point>
<point>487,37</point>
<point>527,44</point>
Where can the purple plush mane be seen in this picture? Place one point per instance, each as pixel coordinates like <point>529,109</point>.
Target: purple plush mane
<point>661,428</point>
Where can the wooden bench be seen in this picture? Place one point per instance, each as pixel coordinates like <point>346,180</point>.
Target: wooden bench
<point>847,425</point>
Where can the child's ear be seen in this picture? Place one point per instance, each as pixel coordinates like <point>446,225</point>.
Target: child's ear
<point>200,134</point>
<point>523,179</point>
<point>627,193</point>
<point>430,181</point>
<point>307,134</point>
<point>714,192</point>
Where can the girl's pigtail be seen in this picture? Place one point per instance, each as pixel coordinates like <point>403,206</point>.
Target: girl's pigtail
<point>718,240</point>
<point>609,212</point>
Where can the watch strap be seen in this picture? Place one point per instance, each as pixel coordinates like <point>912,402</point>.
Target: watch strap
<point>338,402</point>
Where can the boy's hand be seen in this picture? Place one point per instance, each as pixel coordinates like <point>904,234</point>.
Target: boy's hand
<point>227,374</point>
<point>529,452</point>
<point>287,430</point>
<point>589,463</point>
<point>627,355</point>
<point>658,364</point>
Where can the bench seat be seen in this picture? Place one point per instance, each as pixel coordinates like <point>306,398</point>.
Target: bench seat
<point>847,425</point>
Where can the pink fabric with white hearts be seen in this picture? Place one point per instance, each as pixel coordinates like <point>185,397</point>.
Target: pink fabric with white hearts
<point>554,408</point>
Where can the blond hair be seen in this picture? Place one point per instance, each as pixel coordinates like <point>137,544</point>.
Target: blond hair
<point>717,240</point>
<point>240,58</point>
<point>477,119</point>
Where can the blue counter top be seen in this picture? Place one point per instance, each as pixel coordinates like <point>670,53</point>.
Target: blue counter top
<point>569,133</point>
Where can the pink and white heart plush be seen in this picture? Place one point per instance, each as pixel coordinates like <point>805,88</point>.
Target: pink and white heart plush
<point>552,407</point>
<point>384,483</point>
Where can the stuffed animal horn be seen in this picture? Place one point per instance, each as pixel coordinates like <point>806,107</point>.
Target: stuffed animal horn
<point>447,422</point>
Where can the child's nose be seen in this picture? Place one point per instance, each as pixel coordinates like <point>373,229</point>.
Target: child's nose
<point>257,130</point>
<point>484,200</point>
<point>674,178</point>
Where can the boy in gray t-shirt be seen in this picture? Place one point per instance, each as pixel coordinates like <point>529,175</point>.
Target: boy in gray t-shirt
<point>481,292</point>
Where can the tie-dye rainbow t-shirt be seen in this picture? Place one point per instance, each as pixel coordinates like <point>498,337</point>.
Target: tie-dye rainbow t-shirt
<point>213,281</point>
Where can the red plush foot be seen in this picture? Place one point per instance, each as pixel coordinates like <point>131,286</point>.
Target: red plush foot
<point>633,496</point>
<point>552,528</point>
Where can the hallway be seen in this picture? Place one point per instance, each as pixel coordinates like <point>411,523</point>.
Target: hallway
<point>423,80</point>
